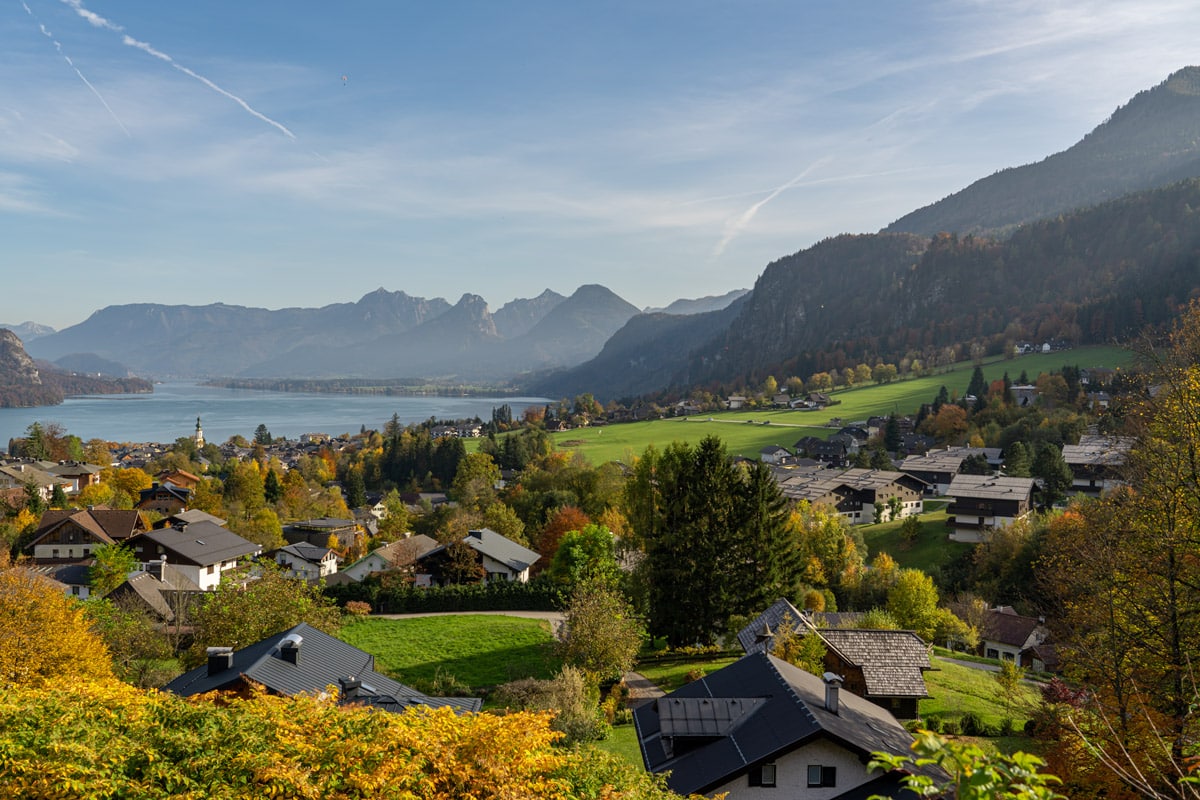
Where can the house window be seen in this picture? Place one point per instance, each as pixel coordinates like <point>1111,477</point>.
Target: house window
<point>762,775</point>
<point>992,653</point>
<point>75,590</point>
<point>210,569</point>
<point>819,775</point>
<point>54,553</point>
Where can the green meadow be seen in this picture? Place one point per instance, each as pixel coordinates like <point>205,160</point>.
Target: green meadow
<point>746,432</point>
<point>475,650</point>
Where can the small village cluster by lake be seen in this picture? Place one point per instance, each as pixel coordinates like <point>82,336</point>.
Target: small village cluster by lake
<point>171,410</point>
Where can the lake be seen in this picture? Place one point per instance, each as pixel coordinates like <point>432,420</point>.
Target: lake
<point>171,411</point>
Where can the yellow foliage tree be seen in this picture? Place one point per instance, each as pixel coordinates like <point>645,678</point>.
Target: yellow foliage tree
<point>44,635</point>
<point>82,739</point>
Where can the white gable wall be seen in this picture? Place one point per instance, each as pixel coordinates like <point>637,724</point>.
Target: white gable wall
<point>791,774</point>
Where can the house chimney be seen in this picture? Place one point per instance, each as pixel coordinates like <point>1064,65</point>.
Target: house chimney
<point>289,648</point>
<point>832,684</point>
<point>349,686</point>
<point>219,659</point>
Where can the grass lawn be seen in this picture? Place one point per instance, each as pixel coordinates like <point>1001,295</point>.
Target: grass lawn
<point>479,650</point>
<point>670,676</point>
<point>956,689</point>
<point>747,432</point>
<point>931,551</point>
<point>623,742</point>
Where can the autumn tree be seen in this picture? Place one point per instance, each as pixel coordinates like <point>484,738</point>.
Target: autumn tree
<point>1126,573</point>
<point>799,646</point>
<point>231,616</point>
<point>140,652</point>
<point>475,481</point>
<point>44,634</point>
<point>88,739</point>
<point>567,518</point>
<point>913,603</point>
<point>601,633</point>
<point>111,564</point>
<point>459,563</point>
<point>829,552</point>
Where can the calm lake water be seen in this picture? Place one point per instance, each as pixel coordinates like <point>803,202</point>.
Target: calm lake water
<point>171,411</point>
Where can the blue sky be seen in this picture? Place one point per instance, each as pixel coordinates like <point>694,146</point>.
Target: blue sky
<point>211,152</point>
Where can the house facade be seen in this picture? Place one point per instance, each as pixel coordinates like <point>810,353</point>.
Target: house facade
<point>203,552</point>
<point>306,562</point>
<point>501,558</point>
<point>762,727</point>
<point>1097,463</point>
<point>68,535</point>
<point>981,503</point>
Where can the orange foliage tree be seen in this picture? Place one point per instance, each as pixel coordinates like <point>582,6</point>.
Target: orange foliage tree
<point>567,518</point>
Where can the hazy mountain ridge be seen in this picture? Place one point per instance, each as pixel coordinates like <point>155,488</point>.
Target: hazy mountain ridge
<point>24,384</point>
<point>639,358</point>
<point>1088,275</point>
<point>28,331</point>
<point>517,317</point>
<point>700,305</point>
<point>1150,141</point>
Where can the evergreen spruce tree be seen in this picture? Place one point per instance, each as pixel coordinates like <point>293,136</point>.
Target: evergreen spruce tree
<point>716,539</point>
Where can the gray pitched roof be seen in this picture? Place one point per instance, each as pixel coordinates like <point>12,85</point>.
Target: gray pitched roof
<point>761,708</point>
<point>891,661</point>
<point>497,547</point>
<point>306,552</point>
<point>202,543</point>
<point>322,661</point>
<point>502,549</point>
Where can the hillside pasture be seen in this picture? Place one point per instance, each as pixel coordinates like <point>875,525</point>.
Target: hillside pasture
<point>478,650</point>
<point>746,432</point>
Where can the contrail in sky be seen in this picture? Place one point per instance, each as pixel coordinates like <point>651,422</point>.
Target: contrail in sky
<point>100,22</point>
<point>734,228</point>
<point>71,63</point>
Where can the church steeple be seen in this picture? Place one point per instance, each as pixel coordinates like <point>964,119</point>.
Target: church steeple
<point>199,437</point>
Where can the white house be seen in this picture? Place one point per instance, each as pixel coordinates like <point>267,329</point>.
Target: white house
<point>202,551</point>
<point>762,727</point>
<point>306,561</point>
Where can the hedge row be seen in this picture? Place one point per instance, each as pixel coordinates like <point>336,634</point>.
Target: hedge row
<point>540,594</point>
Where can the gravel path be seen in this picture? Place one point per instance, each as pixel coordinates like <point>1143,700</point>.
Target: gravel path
<point>642,690</point>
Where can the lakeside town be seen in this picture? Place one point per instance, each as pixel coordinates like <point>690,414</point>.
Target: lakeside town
<point>879,571</point>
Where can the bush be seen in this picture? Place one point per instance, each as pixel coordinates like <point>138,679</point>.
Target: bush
<point>358,608</point>
<point>971,725</point>
<point>693,675</point>
<point>394,597</point>
<point>1006,726</point>
<point>579,718</point>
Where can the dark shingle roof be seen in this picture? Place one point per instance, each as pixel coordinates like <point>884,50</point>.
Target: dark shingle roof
<point>756,637</point>
<point>781,708</point>
<point>1005,625</point>
<point>203,543</point>
<point>323,661</point>
<point>891,661</point>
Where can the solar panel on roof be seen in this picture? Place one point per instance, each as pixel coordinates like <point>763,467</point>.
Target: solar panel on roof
<point>704,716</point>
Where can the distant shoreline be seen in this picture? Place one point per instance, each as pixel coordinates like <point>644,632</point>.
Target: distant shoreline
<point>393,388</point>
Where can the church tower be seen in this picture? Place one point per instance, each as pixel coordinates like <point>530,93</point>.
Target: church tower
<point>199,437</point>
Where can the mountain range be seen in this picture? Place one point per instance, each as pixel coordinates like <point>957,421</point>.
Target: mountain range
<point>1088,244</point>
